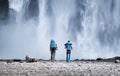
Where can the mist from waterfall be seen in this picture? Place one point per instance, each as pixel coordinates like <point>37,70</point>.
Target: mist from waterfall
<point>91,25</point>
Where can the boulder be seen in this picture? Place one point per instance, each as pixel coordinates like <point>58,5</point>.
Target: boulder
<point>30,59</point>
<point>117,61</point>
<point>98,59</point>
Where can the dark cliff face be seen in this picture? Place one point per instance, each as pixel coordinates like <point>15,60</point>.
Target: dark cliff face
<point>32,11</point>
<point>4,9</point>
<point>75,22</point>
<point>4,12</point>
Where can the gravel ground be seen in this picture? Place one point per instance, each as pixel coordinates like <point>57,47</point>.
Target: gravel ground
<point>60,68</point>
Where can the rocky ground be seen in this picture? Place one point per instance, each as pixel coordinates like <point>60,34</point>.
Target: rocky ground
<point>60,68</point>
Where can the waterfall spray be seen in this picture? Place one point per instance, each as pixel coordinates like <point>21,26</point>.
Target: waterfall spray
<point>92,26</point>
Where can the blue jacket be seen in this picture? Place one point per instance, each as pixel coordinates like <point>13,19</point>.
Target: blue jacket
<point>68,46</point>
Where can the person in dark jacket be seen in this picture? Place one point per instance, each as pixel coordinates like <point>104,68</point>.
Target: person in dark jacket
<point>68,47</point>
<point>53,48</point>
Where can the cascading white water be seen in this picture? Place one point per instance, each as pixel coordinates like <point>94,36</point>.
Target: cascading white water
<point>92,26</point>
<point>100,37</point>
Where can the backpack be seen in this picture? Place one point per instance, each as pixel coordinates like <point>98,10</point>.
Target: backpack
<point>52,44</point>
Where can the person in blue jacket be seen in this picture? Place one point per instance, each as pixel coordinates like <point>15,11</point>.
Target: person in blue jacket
<point>53,48</point>
<point>68,47</point>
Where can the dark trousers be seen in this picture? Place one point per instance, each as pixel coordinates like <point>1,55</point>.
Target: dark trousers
<point>53,55</point>
<point>68,56</point>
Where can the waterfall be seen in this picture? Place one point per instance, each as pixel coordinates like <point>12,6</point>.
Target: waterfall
<point>101,28</point>
<point>91,25</point>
